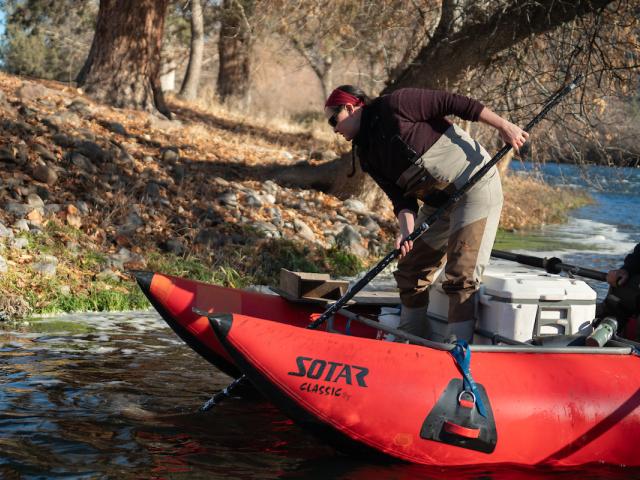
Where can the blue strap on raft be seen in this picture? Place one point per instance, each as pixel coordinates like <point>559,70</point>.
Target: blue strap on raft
<point>462,355</point>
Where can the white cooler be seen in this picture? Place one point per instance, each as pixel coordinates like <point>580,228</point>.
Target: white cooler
<point>520,303</point>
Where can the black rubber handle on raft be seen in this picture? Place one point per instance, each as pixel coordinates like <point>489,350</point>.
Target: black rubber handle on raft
<point>551,265</point>
<point>371,274</point>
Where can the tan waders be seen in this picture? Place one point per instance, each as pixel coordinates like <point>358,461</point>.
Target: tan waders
<point>463,238</point>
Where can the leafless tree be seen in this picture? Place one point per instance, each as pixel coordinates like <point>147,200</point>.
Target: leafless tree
<point>189,89</point>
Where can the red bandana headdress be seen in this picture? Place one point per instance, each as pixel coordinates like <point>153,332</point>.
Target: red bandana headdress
<point>339,97</point>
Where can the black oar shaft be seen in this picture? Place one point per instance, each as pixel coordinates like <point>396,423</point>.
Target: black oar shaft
<point>371,274</point>
<point>551,265</point>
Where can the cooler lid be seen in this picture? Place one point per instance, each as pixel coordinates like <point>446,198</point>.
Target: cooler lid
<point>515,282</point>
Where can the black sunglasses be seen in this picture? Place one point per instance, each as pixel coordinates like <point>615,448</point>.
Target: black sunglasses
<point>333,119</point>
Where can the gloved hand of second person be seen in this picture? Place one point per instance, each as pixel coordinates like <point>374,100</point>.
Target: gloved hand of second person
<point>617,278</point>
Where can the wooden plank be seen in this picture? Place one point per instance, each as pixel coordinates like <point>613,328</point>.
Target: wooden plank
<point>319,288</point>
<point>377,298</point>
<point>333,289</point>
<point>295,283</point>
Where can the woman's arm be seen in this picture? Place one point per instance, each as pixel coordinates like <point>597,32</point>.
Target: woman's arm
<point>510,133</point>
<point>406,222</point>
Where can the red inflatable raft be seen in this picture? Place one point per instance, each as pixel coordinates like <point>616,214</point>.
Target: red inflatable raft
<point>534,406</point>
<point>175,298</point>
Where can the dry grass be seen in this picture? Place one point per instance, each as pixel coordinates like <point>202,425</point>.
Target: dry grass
<point>531,203</point>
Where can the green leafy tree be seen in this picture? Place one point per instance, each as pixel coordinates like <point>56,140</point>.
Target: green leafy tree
<point>46,38</point>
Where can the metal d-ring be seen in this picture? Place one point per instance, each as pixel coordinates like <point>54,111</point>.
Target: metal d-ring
<point>461,394</point>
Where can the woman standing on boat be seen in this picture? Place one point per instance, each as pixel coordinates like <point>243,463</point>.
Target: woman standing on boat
<point>410,149</point>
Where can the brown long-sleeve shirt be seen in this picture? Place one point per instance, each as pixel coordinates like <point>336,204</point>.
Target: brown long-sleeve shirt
<point>417,118</point>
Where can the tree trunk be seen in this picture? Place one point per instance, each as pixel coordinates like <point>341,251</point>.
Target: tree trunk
<point>445,58</point>
<point>189,89</point>
<point>333,177</point>
<point>123,66</point>
<point>234,48</point>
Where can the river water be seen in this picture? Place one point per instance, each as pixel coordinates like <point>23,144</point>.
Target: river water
<point>597,236</point>
<point>116,396</point>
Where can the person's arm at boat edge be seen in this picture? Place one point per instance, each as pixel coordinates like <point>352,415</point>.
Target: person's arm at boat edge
<point>619,276</point>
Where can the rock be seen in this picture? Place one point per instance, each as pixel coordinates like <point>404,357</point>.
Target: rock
<point>5,232</point>
<point>209,237</point>
<point>174,246</point>
<point>270,187</point>
<point>45,174</point>
<point>210,216</point>
<point>19,243</point>
<point>323,155</point>
<point>34,200</point>
<point>269,198</point>
<point>19,210</point>
<point>108,275</point>
<point>42,192</point>
<point>26,112</point>
<point>370,224</point>
<point>61,121</point>
<point>228,198</point>
<point>148,159</point>
<point>130,224</point>
<point>170,154</point>
<point>6,155</point>
<point>221,182</point>
<point>47,265</point>
<point>63,140</point>
<point>163,123</point>
<point>33,91</point>
<point>82,162</point>
<point>20,226</point>
<point>51,209</point>
<point>350,240</point>
<point>253,200</point>
<point>22,155</point>
<point>83,207</point>
<point>117,260</point>
<point>124,157</point>
<point>303,230</point>
<point>44,152</point>
<point>92,151</point>
<point>4,267</point>
<point>116,127</point>
<point>355,206</point>
<point>267,229</point>
<point>286,155</point>
<point>276,216</point>
<point>152,191</point>
<point>80,107</point>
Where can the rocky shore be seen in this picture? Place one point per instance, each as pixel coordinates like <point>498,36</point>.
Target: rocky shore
<point>89,191</point>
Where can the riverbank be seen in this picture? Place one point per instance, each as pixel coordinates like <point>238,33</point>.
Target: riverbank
<point>89,192</point>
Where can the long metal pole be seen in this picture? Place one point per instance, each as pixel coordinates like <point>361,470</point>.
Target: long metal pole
<point>382,264</point>
<point>551,265</point>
